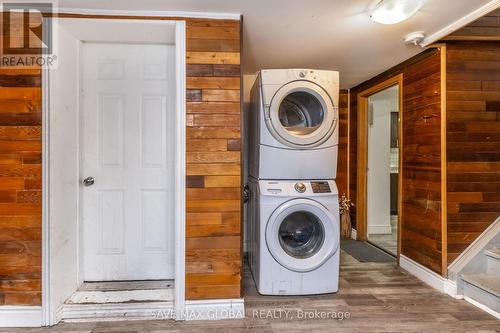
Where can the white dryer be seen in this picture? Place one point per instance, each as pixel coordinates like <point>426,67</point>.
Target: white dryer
<point>293,131</point>
<point>294,236</point>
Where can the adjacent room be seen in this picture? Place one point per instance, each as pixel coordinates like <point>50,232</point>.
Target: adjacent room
<point>383,166</point>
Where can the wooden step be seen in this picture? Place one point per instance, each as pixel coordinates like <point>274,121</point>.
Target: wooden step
<point>486,282</point>
<point>493,262</point>
<point>493,253</point>
<point>123,292</point>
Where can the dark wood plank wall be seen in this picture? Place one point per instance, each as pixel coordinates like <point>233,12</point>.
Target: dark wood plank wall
<point>343,124</point>
<point>473,141</point>
<point>20,186</point>
<point>213,250</point>
<point>487,28</point>
<point>213,244</point>
<point>421,227</point>
<point>20,182</point>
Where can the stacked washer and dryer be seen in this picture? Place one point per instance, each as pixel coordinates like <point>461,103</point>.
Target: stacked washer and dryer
<point>293,213</point>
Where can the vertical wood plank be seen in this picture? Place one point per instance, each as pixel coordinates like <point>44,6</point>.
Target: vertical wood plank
<point>444,213</point>
<point>213,141</point>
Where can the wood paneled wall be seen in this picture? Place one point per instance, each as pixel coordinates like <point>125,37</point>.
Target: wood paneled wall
<point>487,28</point>
<point>421,225</point>
<point>20,186</point>
<point>213,244</point>
<point>473,141</point>
<point>20,181</point>
<point>342,175</point>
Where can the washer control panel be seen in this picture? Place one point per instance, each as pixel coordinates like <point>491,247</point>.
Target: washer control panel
<point>290,188</point>
<point>321,187</point>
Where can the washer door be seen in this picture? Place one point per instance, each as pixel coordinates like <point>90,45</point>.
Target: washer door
<point>301,114</point>
<point>302,234</point>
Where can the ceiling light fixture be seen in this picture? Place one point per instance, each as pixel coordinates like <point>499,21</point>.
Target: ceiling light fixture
<point>395,11</point>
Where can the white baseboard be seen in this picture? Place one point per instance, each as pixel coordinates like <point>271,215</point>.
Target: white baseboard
<point>379,229</point>
<point>431,278</point>
<point>194,310</point>
<point>354,234</point>
<point>423,273</point>
<point>31,316</point>
<point>215,309</point>
<point>20,316</point>
<point>116,311</point>
<point>438,282</point>
<point>450,288</point>
<point>482,307</point>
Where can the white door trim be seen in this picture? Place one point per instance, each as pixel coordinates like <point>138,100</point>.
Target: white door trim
<point>180,169</point>
<point>49,314</point>
<point>46,310</point>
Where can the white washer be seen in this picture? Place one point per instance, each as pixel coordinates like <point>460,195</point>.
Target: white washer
<point>293,131</point>
<point>294,236</point>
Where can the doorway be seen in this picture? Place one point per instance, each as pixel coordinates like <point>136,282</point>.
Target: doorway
<point>379,159</point>
<point>114,154</point>
<point>383,169</point>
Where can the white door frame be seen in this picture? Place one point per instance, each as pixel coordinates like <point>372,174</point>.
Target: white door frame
<point>49,315</point>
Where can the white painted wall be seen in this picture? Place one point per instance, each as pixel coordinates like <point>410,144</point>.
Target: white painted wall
<point>379,156</point>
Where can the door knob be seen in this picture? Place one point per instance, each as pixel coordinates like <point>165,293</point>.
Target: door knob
<point>89,181</point>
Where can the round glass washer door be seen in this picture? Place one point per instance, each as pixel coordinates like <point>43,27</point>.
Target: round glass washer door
<point>302,234</point>
<point>301,114</point>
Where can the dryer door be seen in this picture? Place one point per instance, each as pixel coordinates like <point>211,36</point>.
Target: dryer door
<point>302,234</point>
<point>301,114</point>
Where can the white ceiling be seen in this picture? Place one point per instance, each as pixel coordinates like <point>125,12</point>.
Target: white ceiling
<point>320,34</point>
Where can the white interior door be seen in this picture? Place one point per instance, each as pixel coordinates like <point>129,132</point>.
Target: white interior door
<point>127,146</point>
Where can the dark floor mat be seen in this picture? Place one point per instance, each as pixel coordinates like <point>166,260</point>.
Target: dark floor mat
<point>365,252</point>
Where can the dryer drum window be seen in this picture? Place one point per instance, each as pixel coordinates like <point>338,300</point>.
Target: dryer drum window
<point>301,113</point>
<point>301,234</point>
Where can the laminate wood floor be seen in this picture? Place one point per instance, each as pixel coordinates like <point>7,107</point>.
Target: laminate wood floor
<point>379,297</point>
